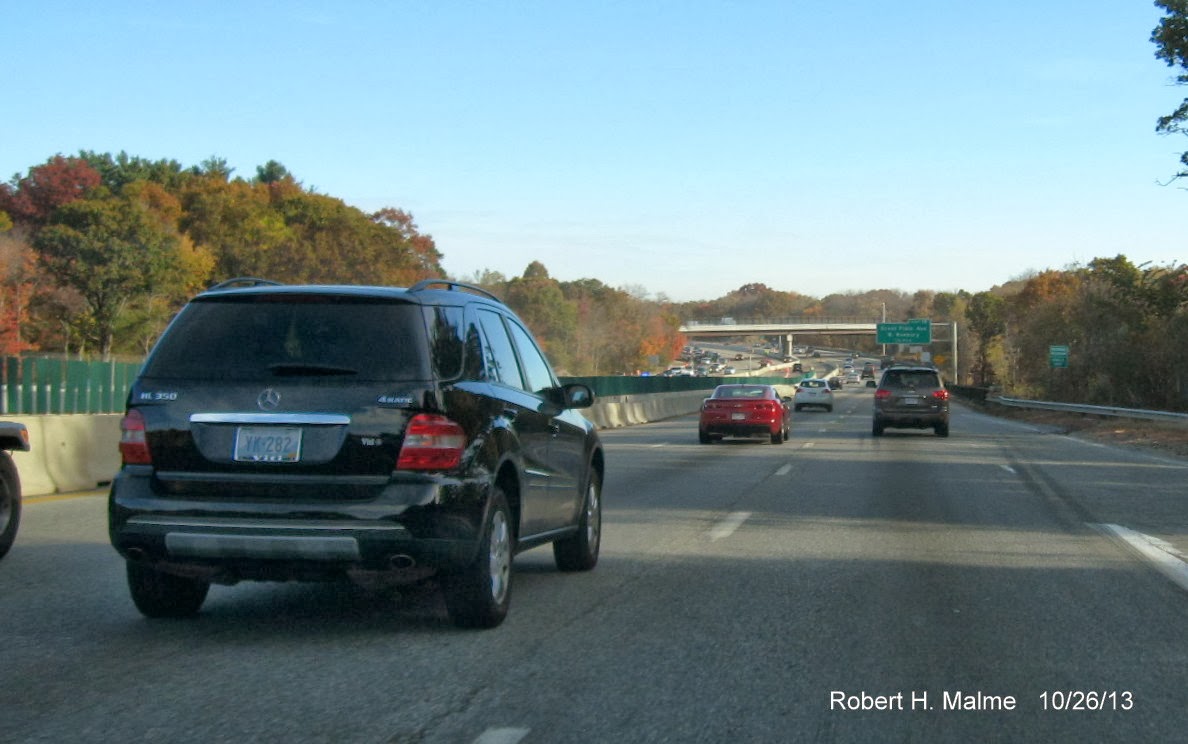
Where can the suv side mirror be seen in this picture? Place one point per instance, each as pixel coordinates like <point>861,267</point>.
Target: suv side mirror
<point>577,395</point>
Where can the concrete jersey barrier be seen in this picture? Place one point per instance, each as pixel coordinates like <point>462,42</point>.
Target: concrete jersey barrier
<point>71,452</point>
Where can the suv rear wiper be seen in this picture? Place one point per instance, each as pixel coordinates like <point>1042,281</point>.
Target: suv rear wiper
<point>286,369</point>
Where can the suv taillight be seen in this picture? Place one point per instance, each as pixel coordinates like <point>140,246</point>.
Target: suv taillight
<point>882,394</point>
<point>133,445</point>
<point>431,442</point>
<point>941,394</point>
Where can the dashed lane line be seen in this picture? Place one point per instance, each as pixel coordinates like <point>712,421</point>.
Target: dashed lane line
<point>501,736</point>
<point>727,526</point>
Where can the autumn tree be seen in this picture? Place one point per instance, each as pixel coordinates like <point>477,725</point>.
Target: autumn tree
<point>236,222</point>
<point>31,200</point>
<point>113,249</point>
<point>17,288</point>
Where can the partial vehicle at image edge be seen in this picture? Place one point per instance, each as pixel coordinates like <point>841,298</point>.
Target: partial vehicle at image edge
<point>13,436</point>
<point>382,435</point>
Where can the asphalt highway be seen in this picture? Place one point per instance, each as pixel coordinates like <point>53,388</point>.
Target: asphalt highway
<point>1004,583</point>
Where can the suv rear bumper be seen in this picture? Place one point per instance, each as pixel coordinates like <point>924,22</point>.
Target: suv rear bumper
<point>911,419</point>
<point>426,526</point>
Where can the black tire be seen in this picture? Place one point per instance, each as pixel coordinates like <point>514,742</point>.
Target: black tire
<point>478,596</point>
<point>158,594</point>
<point>10,502</point>
<point>829,409</point>
<point>778,437</point>
<point>704,438</point>
<point>579,552</point>
<point>942,430</point>
<point>876,429</point>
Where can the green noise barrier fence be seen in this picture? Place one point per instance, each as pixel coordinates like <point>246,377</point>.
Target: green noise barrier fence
<point>47,385</point>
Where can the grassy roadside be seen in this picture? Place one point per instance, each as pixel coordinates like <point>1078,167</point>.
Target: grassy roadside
<point>1153,436</point>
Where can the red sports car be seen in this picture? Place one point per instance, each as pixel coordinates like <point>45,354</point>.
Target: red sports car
<point>745,411</point>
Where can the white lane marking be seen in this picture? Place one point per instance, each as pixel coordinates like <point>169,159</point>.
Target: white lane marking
<point>501,736</point>
<point>806,445</point>
<point>1007,468</point>
<point>728,525</point>
<point>785,469</point>
<point>1168,560</point>
<point>661,444</point>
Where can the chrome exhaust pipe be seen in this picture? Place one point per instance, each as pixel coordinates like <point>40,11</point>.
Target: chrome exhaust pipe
<point>401,561</point>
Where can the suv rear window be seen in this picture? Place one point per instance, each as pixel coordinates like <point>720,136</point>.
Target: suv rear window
<point>250,338</point>
<point>911,378</point>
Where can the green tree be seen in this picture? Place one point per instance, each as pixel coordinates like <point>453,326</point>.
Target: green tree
<point>1171,38</point>
<point>537,298</point>
<point>987,323</point>
<point>273,172</point>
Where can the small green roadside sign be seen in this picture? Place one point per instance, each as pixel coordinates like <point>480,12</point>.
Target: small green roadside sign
<point>912,332</point>
<point>1058,356</point>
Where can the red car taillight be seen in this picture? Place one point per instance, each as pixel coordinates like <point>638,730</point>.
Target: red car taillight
<point>882,394</point>
<point>133,445</point>
<point>941,395</point>
<point>431,442</point>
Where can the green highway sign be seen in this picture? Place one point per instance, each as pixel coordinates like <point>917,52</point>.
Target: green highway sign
<point>1058,356</point>
<point>912,332</point>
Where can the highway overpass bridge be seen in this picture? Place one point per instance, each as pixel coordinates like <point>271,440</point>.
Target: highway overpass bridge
<point>788,330</point>
<point>783,328</point>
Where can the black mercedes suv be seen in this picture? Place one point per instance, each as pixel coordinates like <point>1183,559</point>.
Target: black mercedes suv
<point>379,434</point>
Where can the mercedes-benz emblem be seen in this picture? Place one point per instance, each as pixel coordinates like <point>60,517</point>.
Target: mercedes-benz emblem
<point>268,400</point>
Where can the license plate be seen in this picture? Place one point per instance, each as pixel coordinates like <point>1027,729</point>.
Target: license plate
<point>911,400</point>
<point>268,444</point>
<point>738,417</point>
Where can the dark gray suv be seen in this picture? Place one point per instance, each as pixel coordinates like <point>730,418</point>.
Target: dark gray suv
<point>378,434</point>
<point>911,397</point>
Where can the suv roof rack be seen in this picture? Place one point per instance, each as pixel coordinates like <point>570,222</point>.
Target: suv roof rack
<point>451,286</point>
<point>243,281</point>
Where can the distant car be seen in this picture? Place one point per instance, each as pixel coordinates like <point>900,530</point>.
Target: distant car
<point>852,377</point>
<point>745,411</point>
<point>798,367</point>
<point>868,371</point>
<point>813,392</point>
<point>835,382</point>
<point>728,371</point>
<point>911,397</point>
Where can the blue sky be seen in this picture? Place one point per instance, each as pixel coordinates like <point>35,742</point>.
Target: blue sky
<point>680,149</point>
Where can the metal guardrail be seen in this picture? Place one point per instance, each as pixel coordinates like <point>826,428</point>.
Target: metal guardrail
<point>1178,419</point>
